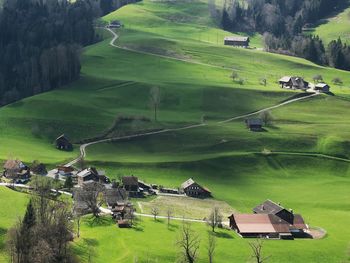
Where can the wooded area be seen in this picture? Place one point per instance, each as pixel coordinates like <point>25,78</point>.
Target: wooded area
<point>40,44</point>
<point>282,23</point>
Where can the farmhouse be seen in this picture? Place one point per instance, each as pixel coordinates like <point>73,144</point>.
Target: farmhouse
<point>113,196</point>
<point>322,87</point>
<point>91,174</point>
<point>269,220</point>
<point>193,189</point>
<point>260,225</point>
<point>131,185</point>
<point>115,24</point>
<point>15,169</point>
<point>65,170</point>
<point>237,41</point>
<point>254,124</point>
<point>288,82</point>
<point>63,143</point>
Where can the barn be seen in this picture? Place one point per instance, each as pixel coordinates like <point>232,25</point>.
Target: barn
<point>237,41</point>
<point>63,143</point>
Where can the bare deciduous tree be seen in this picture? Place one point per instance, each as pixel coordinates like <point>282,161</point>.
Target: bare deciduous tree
<point>155,212</point>
<point>90,194</point>
<point>155,100</point>
<point>169,214</point>
<point>189,244</point>
<point>215,218</point>
<point>257,251</point>
<point>211,247</point>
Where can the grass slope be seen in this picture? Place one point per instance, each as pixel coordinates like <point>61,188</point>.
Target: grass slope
<point>12,207</point>
<point>334,27</point>
<point>226,158</point>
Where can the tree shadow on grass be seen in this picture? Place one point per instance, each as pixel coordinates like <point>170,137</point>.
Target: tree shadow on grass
<point>93,221</point>
<point>137,228</point>
<point>86,249</point>
<point>3,233</point>
<point>172,227</point>
<point>222,234</point>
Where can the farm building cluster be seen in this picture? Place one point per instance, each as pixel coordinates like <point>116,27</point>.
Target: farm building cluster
<point>269,220</point>
<point>17,171</point>
<point>298,83</point>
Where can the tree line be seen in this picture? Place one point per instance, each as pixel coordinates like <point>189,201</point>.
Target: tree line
<point>40,44</point>
<point>282,24</point>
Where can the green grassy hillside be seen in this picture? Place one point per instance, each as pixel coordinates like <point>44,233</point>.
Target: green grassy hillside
<point>194,83</point>
<point>334,27</point>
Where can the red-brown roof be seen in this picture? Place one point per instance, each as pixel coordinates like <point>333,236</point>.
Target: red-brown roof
<point>260,223</point>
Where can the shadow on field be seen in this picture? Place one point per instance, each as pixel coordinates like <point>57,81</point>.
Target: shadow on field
<point>98,221</point>
<point>222,234</point>
<point>172,227</point>
<point>86,249</point>
<point>3,232</point>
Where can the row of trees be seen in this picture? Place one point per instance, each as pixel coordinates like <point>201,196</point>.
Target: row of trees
<point>40,44</point>
<point>42,235</point>
<point>282,24</point>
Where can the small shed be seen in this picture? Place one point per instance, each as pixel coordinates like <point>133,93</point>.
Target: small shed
<point>115,24</point>
<point>237,41</point>
<point>63,143</point>
<point>124,223</point>
<point>322,87</point>
<point>255,124</point>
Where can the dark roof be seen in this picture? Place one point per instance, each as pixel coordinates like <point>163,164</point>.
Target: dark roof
<point>130,180</point>
<point>115,195</point>
<point>63,136</point>
<point>298,82</point>
<point>255,121</point>
<point>268,207</point>
<point>298,222</point>
<point>321,85</point>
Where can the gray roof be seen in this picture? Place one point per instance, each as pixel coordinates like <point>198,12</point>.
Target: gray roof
<point>115,195</point>
<point>130,180</point>
<point>187,183</point>
<point>268,207</point>
<point>237,38</point>
<point>254,121</point>
<point>321,85</point>
<point>285,79</point>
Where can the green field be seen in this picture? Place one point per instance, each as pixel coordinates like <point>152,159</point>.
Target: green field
<point>226,158</point>
<point>12,207</point>
<point>334,27</point>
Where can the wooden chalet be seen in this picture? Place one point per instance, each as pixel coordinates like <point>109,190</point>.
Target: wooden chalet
<point>270,207</point>
<point>91,174</point>
<point>237,41</point>
<point>15,169</point>
<point>131,184</point>
<point>115,196</point>
<point>254,124</point>
<point>65,170</point>
<point>63,143</point>
<point>193,189</point>
<point>288,82</point>
<point>115,24</point>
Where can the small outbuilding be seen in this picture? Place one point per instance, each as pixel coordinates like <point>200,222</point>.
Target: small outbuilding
<point>255,124</point>
<point>115,24</point>
<point>63,143</point>
<point>322,87</point>
<point>193,189</point>
<point>237,41</point>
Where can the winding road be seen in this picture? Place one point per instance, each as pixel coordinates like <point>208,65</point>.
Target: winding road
<point>112,43</point>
